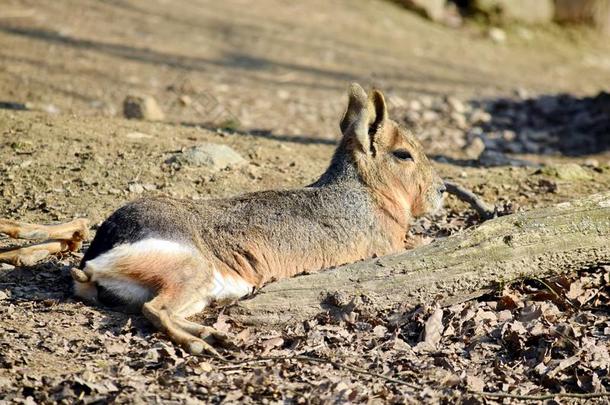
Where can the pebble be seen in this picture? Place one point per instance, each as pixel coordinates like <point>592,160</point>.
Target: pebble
<point>497,35</point>
<point>429,116</point>
<point>136,188</point>
<point>459,119</point>
<point>185,100</point>
<point>415,105</point>
<point>138,136</point>
<point>479,116</point>
<point>143,108</point>
<point>474,149</point>
<point>456,105</point>
<point>6,267</point>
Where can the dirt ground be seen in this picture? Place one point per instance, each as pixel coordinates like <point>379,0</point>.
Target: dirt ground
<point>269,80</point>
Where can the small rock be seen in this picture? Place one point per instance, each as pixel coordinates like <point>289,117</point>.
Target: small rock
<point>456,105</point>
<point>474,149</point>
<point>479,116</point>
<point>508,135</point>
<point>50,109</point>
<point>3,296</point>
<point>213,156</point>
<point>591,162</point>
<point>401,345</point>
<point>137,136</point>
<point>185,100</point>
<point>136,188</point>
<point>412,117</point>
<point>567,171</point>
<point>415,105</point>
<point>497,35</point>
<point>459,120</point>
<point>6,267</point>
<point>143,108</point>
<point>429,116</point>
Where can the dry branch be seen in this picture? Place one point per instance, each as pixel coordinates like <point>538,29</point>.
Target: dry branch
<point>565,237</point>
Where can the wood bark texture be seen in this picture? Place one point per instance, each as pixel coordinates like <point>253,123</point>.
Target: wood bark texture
<point>565,237</point>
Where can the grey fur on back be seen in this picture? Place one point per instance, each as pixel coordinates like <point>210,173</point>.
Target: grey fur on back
<point>336,210</point>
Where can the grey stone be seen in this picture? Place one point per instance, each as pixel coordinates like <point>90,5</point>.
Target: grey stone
<point>211,155</point>
<point>136,188</point>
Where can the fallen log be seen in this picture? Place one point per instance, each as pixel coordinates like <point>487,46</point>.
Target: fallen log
<point>565,237</point>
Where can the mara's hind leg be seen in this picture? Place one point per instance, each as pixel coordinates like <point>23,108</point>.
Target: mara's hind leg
<point>76,230</point>
<point>168,279</point>
<point>30,255</point>
<point>165,312</point>
<point>60,238</point>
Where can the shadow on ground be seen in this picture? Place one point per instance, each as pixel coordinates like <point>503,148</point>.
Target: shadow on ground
<point>549,124</point>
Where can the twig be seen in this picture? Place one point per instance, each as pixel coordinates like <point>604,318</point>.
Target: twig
<point>542,397</point>
<point>309,359</point>
<point>485,211</point>
<point>555,293</point>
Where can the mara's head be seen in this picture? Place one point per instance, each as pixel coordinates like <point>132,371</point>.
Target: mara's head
<point>388,158</point>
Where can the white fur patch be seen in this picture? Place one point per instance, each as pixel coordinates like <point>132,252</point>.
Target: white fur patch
<point>106,261</point>
<point>127,290</point>
<point>227,287</point>
<point>101,269</point>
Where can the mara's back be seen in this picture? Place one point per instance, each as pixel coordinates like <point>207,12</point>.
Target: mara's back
<point>279,233</point>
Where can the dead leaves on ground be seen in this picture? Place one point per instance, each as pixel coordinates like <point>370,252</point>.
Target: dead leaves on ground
<point>533,337</point>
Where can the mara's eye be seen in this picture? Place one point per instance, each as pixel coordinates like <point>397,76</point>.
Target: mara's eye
<point>402,154</point>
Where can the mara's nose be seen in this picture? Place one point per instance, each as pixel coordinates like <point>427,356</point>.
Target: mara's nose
<point>442,188</point>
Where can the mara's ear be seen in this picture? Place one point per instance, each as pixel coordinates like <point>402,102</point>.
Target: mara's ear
<point>356,119</point>
<point>363,117</point>
<point>381,111</point>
